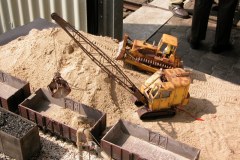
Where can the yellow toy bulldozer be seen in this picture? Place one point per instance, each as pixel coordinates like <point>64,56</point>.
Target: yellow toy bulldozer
<point>165,90</point>
<point>150,57</point>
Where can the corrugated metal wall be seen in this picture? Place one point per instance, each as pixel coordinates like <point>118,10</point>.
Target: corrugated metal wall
<point>112,18</point>
<point>14,13</point>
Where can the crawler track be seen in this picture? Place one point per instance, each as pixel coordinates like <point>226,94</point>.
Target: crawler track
<point>145,114</point>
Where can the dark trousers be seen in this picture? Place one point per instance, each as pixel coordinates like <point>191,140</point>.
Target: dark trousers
<point>202,8</point>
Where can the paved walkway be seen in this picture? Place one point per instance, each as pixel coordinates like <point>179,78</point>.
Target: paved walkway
<point>146,20</point>
<point>225,66</point>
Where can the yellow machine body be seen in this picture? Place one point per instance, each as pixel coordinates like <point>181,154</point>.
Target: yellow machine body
<point>167,88</point>
<point>150,57</point>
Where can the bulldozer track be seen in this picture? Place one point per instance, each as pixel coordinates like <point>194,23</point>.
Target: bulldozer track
<point>153,63</point>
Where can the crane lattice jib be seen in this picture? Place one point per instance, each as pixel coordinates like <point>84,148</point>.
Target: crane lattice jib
<point>100,58</point>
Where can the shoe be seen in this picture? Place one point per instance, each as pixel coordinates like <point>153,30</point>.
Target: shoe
<point>179,11</point>
<point>221,48</point>
<point>193,44</point>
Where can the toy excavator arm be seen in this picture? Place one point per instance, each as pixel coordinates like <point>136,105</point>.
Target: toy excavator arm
<point>100,58</point>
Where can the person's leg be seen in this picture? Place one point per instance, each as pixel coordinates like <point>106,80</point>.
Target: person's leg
<point>176,6</point>
<point>224,25</point>
<point>199,22</point>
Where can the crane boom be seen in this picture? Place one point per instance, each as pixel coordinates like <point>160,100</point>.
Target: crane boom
<point>100,58</point>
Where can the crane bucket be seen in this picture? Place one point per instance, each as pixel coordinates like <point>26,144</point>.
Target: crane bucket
<point>58,87</point>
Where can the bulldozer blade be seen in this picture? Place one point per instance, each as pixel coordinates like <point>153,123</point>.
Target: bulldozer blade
<point>146,114</point>
<point>122,48</point>
<point>121,51</point>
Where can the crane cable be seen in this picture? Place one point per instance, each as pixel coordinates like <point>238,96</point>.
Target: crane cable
<point>56,61</point>
<point>54,45</point>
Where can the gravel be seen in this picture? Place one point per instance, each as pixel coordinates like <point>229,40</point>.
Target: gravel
<point>57,149</point>
<point>14,125</point>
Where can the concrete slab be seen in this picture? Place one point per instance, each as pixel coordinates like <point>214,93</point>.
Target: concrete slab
<point>147,20</point>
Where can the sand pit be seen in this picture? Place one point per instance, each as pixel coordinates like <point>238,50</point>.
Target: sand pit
<point>37,56</point>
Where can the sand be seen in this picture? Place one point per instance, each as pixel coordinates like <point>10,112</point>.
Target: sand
<point>37,56</point>
<point>61,114</point>
<point>146,149</point>
<point>7,90</point>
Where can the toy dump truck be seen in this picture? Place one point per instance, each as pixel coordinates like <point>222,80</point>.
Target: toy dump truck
<point>150,57</point>
<point>160,94</point>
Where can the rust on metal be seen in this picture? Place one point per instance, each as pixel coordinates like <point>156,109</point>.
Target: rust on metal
<point>36,106</point>
<point>12,91</point>
<point>127,141</point>
<point>58,87</point>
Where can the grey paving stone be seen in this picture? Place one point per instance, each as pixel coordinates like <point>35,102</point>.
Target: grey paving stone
<point>207,62</point>
<point>210,36</point>
<point>236,68</point>
<point>205,66</point>
<point>145,21</point>
<point>174,21</point>
<point>179,32</point>
<point>234,78</point>
<point>186,22</point>
<point>225,63</point>
<point>220,73</point>
<point>164,30</point>
<point>192,59</point>
<point>225,66</point>
<point>212,57</point>
<point>156,37</point>
<point>167,29</point>
<point>183,48</point>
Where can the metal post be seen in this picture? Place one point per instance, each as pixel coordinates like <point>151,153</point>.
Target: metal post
<point>110,18</point>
